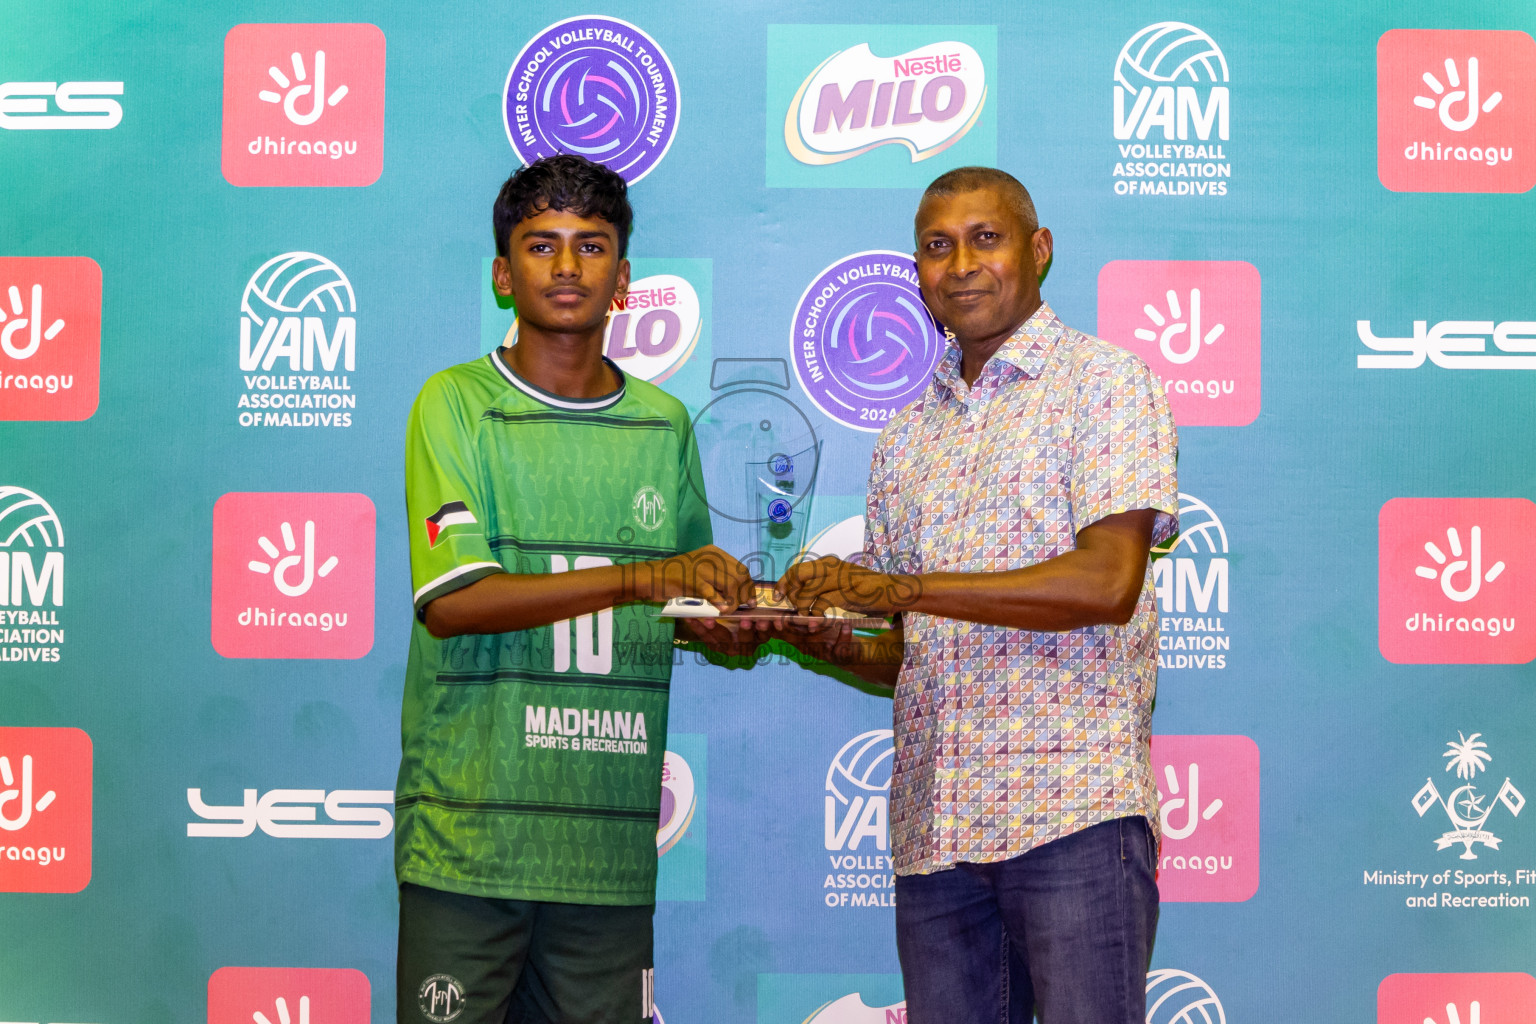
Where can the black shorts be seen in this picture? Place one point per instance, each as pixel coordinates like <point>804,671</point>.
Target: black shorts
<point>476,960</point>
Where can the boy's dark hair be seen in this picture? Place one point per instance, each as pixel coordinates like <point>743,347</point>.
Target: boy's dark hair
<point>563,182</point>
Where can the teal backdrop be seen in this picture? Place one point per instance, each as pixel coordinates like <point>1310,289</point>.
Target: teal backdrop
<point>195,806</point>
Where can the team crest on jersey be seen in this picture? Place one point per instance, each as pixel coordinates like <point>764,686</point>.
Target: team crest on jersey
<point>441,998</point>
<point>454,513</point>
<point>650,508</point>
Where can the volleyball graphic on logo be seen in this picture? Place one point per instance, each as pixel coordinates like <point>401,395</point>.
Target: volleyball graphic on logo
<point>297,282</point>
<point>1199,530</point>
<point>1178,997</point>
<point>863,764</point>
<point>27,521</point>
<point>1170,51</point>
<point>679,799</point>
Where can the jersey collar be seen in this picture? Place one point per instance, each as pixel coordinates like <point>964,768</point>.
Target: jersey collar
<point>538,394</point>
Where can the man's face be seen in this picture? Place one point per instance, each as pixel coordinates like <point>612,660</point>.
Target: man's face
<point>978,264</point>
<point>562,271</point>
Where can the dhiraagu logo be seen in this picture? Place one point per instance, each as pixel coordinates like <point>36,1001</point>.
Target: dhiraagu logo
<point>878,106</point>
<point>830,999</point>
<point>680,830</point>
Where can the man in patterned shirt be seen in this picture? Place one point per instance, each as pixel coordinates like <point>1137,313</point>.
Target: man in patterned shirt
<point>1011,512</point>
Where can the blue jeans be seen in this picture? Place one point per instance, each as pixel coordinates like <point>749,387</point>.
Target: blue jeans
<point>1064,931</point>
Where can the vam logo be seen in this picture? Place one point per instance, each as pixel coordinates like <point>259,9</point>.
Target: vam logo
<point>283,814</point>
<point>45,810</point>
<point>50,337</point>
<point>303,105</point>
<point>1452,345</point>
<point>885,99</point>
<point>1455,110</point>
<point>1466,809</point>
<point>862,342</point>
<point>1208,800</point>
<point>1178,997</point>
<point>31,577</point>
<point>1454,581</point>
<point>596,86</point>
<point>288,995</point>
<point>293,575</point>
<point>24,105</point>
<point>925,99</point>
<point>1171,88</point>
<point>1198,326</point>
<point>1455,998</point>
<point>1191,574</point>
<point>856,822</point>
<point>298,327</point>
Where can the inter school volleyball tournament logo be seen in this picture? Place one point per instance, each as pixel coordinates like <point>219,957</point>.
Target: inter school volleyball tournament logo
<point>298,344</point>
<point>288,995</point>
<point>1197,325</point>
<point>293,575</point>
<point>31,578</point>
<point>1468,809</point>
<point>1178,997</point>
<point>45,810</point>
<point>50,337</point>
<point>1172,113</point>
<point>925,99</point>
<point>1455,581</point>
<point>1208,801</point>
<point>863,344</point>
<point>1192,576</point>
<point>1455,998</point>
<point>303,105</point>
<point>1456,110</point>
<point>595,86</point>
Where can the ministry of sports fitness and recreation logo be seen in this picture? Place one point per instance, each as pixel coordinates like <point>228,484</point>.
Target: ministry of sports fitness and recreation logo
<point>856,823</point>
<point>1208,800</point>
<point>863,344</point>
<point>298,344</point>
<point>902,94</point>
<point>1197,325</point>
<point>1451,345</point>
<point>50,337</point>
<point>31,578</point>
<point>1454,581</point>
<point>1178,997</point>
<point>596,86</point>
<point>1466,809</point>
<point>303,104</point>
<point>1456,110</point>
<point>45,810</point>
<point>1455,998</point>
<point>59,106</point>
<point>1172,113</point>
<point>1191,573</point>
<point>293,575</point>
<point>288,995</point>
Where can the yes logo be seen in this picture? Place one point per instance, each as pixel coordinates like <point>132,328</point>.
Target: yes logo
<point>1208,800</point>
<point>1197,324</point>
<point>45,810</point>
<point>293,575</point>
<point>1456,110</point>
<point>24,105</point>
<point>1454,584</point>
<point>1455,998</point>
<point>288,995</point>
<point>50,337</point>
<point>303,105</point>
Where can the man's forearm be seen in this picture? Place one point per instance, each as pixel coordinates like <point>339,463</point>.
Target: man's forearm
<point>1063,593</point>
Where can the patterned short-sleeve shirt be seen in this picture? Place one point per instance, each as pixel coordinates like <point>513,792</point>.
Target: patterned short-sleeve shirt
<point>1009,738</point>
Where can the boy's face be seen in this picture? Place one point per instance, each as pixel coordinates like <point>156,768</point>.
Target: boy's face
<point>562,271</point>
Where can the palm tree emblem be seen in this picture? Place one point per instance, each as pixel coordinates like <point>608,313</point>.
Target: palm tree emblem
<point>1467,755</point>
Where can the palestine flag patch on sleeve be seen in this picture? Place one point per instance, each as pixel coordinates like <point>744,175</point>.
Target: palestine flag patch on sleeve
<point>454,513</point>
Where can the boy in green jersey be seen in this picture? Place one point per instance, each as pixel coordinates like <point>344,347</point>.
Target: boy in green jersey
<point>548,495</point>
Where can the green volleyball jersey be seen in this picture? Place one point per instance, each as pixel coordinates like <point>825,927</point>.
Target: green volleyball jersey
<point>532,759</point>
